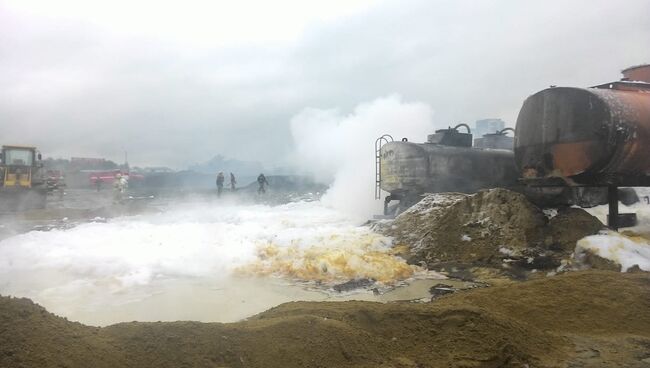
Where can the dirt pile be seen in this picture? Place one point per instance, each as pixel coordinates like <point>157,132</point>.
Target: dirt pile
<point>30,336</point>
<point>577,319</point>
<point>492,228</point>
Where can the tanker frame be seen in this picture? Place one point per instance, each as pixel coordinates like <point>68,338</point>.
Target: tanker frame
<point>447,162</point>
<point>588,137</point>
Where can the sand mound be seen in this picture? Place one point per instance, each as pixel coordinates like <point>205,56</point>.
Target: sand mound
<point>493,228</point>
<point>577,319</point>
<point>30,336</point>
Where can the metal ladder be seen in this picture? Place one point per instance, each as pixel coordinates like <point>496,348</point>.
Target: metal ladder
<point>386,138</point>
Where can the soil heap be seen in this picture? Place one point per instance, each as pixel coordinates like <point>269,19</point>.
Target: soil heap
<point>492,228</point>
<point>591,318</point>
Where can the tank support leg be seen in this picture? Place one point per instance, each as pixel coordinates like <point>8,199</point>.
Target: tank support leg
<point>388,199</point>
<point>612,199</point>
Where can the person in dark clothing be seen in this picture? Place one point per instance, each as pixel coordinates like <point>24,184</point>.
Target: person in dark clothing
<point>220,180</point>
<point>233,182</point>
<point>261,180</point>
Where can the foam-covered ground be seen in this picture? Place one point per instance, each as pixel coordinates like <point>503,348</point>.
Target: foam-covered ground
<point>630,247</point>
<point>216,261</point>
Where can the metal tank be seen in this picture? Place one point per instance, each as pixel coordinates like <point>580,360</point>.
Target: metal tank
<point>593,137</point>
<point>586,136</point>
<point>637,73</point>
<point>498,140</point>
<point>447,162</point>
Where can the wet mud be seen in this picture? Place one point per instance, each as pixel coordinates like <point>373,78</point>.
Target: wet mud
<point>580,319</point>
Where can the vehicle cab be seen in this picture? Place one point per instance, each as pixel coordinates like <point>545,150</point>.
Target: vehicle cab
<point>20,166</point>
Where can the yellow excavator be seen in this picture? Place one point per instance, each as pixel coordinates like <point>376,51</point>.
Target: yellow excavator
<point>22,181</point>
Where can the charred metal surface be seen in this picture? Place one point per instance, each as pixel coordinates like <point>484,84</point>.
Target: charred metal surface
<point>625,86</point>
<point>498,140</point>
<point>419,168</point>
<point>452,137</point>
<point>595,136</point>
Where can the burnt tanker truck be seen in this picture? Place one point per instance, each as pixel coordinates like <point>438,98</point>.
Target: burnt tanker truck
<point>571,146</point>
<point>447,162</point>
<point>588,137</point>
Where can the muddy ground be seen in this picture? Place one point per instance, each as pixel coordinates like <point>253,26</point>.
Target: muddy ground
<point>590,318</point>
<point>88,205</point>
<point>580,319</point>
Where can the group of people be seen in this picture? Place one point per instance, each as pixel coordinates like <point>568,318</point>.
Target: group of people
<point>220,180</point>
<point>261,181</point>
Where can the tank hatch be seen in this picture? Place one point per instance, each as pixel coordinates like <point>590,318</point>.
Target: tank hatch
<point>452,137</point>
<point>498,140</point>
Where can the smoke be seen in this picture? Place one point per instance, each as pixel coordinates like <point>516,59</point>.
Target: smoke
<point>340,148</point>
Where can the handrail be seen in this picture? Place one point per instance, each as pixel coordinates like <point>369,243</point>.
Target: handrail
<point>378,144</point>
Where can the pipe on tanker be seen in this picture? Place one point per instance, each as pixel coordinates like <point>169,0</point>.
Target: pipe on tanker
<point>469,131</point>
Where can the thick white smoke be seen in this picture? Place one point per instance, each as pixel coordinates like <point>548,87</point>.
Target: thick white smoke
<point>340,147</point>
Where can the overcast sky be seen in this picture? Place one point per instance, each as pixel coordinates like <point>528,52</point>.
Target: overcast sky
<point>176,83</point>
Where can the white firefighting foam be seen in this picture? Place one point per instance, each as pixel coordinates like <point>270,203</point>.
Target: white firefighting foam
<point>630,247</point>
<point>215,244</point>
<point>627,251</point>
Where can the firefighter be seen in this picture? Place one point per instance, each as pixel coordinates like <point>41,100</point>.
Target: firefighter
<point>233,182</point>
<point>118,190</point>
<point>261,180</point>
<point>220,180</point>
<point>124,183</point>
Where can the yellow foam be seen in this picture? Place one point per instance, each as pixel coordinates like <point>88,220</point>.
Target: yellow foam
<point>333,260</point>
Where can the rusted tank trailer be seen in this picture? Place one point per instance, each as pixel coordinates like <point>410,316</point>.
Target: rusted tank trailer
<point>597,136</point>
<point>586,136</point>
<point>447,162</point>
<point>637,73</point>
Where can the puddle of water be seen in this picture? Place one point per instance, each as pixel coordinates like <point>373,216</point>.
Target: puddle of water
<point>200,300</point>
